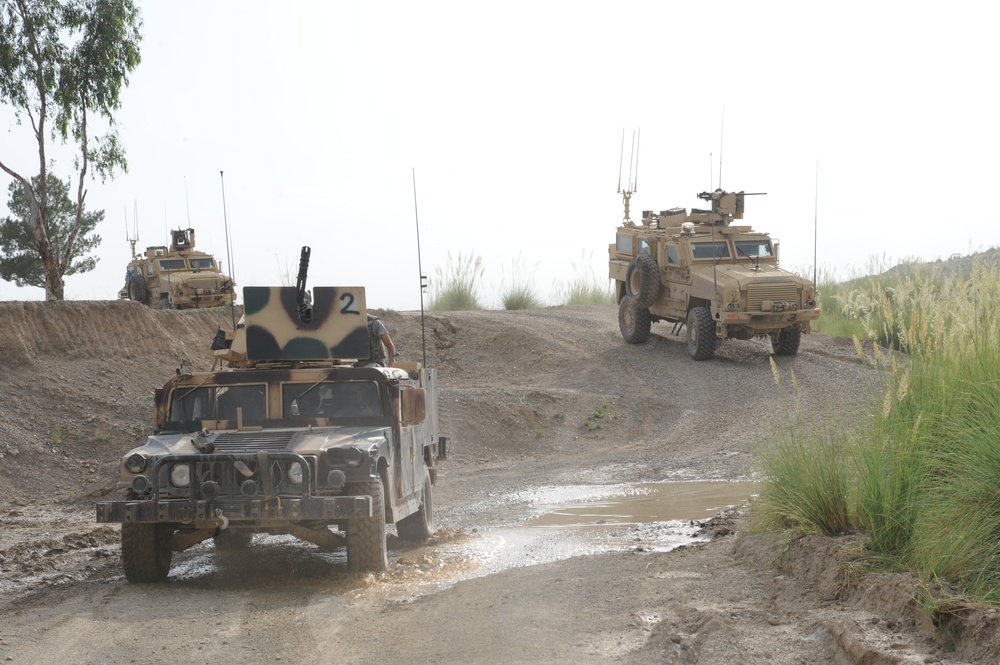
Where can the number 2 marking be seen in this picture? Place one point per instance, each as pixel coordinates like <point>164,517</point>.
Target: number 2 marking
<point>349,304</point>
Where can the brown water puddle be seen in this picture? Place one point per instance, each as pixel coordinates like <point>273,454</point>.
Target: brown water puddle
<point>650,502</point>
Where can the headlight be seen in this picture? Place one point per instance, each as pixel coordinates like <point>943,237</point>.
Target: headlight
<point>353,456</point>
<point>135,463</point>
<point>180,475</point>
<point>295,473</point>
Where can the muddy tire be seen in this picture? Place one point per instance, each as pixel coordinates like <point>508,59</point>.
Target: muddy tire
<point>633,321</point>
<point>233,541</point>
<point>137,288</point>
<point>419,526</point>
<point>786,341</point>
<point>146,551</point>
<point>366,549</point>
<point>701,339</point>
<point>642,280</point>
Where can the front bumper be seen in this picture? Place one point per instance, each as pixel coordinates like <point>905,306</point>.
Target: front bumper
<point>257,511</point>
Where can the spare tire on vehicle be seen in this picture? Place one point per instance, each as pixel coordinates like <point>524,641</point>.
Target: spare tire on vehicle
<point>642,280</point>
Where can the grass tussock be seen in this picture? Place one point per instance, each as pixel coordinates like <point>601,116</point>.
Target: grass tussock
<point>519,293</point>
<point>585,288</point>
<point>457,285</point>
<point>920,477</point>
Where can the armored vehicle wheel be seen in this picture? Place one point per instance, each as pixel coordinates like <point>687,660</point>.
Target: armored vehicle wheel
<point>642,280</point>
<point>786,341</point>
<point>233,541</point>
<point>633,321</point>
<point>366,550</point>
<point>146,551</point>
<point>420,525</point>
<point>701,340</point>
<point>137,288</point>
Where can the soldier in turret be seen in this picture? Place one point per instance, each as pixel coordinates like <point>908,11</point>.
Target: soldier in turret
<point>383,350</point>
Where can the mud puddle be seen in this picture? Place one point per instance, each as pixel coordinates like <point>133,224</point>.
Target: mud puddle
<point>567,521</point>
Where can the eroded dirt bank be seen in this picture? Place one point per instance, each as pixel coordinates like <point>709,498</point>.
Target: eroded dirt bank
<point>535,399</point>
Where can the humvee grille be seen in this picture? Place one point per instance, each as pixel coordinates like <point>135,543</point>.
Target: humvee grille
<point>774,291</point>
<point>253,440</point>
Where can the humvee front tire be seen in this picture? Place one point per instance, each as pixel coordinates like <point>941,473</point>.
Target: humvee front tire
<point>366,549</point>
<point>633,321</point>
<point>419,526</point>
<point>146,551</point>
<point>701,340</point>
<point>786,341</point>
<point>642,280</point>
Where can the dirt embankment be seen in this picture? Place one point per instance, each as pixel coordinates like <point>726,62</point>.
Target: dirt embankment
<point>530,399</point>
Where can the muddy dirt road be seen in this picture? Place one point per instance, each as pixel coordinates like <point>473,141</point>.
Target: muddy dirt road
<point>549,414</point>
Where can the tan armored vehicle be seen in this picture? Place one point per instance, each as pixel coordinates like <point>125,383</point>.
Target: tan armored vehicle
<point>720,280</point>
<point>291,438</point>
<point>177,278</point>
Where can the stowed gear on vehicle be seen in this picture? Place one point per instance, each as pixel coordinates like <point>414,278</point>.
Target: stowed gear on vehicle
<point>291,438</point>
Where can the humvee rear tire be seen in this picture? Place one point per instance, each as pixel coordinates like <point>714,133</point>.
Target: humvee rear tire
<point>366,549</point>
<point>633,321</point>
<point>786,341</point>
<point>642,280</point>
<point>419,526</point>
<point>146,551</point>
<point>701,339</point>
<point>137,288</point>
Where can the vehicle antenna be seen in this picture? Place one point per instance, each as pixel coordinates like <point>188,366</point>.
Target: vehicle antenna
<point>420,269</point>
<point>722,133</point>
<point>815,224</point>
<point>711,172</point>
<point>633,162</point>
<point>187,202</point>
<point>229,249</point>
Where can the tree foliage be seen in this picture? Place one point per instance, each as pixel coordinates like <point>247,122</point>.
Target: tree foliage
<point>19,260</point>
<point>62,62</point>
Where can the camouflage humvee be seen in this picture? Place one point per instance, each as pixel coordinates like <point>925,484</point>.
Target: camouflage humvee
<point>298,440</point>
<point>719,280</point>
<point>177,278</point>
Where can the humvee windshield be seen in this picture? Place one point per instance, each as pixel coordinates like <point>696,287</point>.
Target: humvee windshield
<point>710,250</point>
<point>329,399</point>
<point>760,247</point>
<point>172,264</point>
<point>218,403</point>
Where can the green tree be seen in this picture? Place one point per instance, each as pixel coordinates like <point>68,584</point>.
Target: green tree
<point>61,63</point>
<point>19,260</point>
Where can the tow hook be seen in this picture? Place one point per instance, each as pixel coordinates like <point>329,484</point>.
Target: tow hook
<point>223,522</point>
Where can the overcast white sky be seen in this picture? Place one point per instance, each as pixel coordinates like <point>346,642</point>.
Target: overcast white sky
<point>512,115</point>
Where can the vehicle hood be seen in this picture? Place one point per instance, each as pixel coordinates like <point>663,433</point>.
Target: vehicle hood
<point>304,441</point>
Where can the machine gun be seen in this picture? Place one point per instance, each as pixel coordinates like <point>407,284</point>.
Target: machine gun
<point>301,296</point>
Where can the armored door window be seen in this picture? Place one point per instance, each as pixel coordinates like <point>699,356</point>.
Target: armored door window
<point>672,257</point>
<point>643,247</point>
<point>623,243</point>
<point>710,250</point>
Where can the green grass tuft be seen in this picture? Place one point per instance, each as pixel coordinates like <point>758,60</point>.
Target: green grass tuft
<point>457,286</point>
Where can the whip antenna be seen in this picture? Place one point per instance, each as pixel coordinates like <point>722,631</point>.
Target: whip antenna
<point>816,224</point>
<point>722,135</point>
<point>420,269</point>
<point>229,248</point>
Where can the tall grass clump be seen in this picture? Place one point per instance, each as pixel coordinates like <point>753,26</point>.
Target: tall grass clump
<point>807,477</point>
<point>519,294</point>
<point>457,285</point>
<point>923,477</point>
<point>585,288</point>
